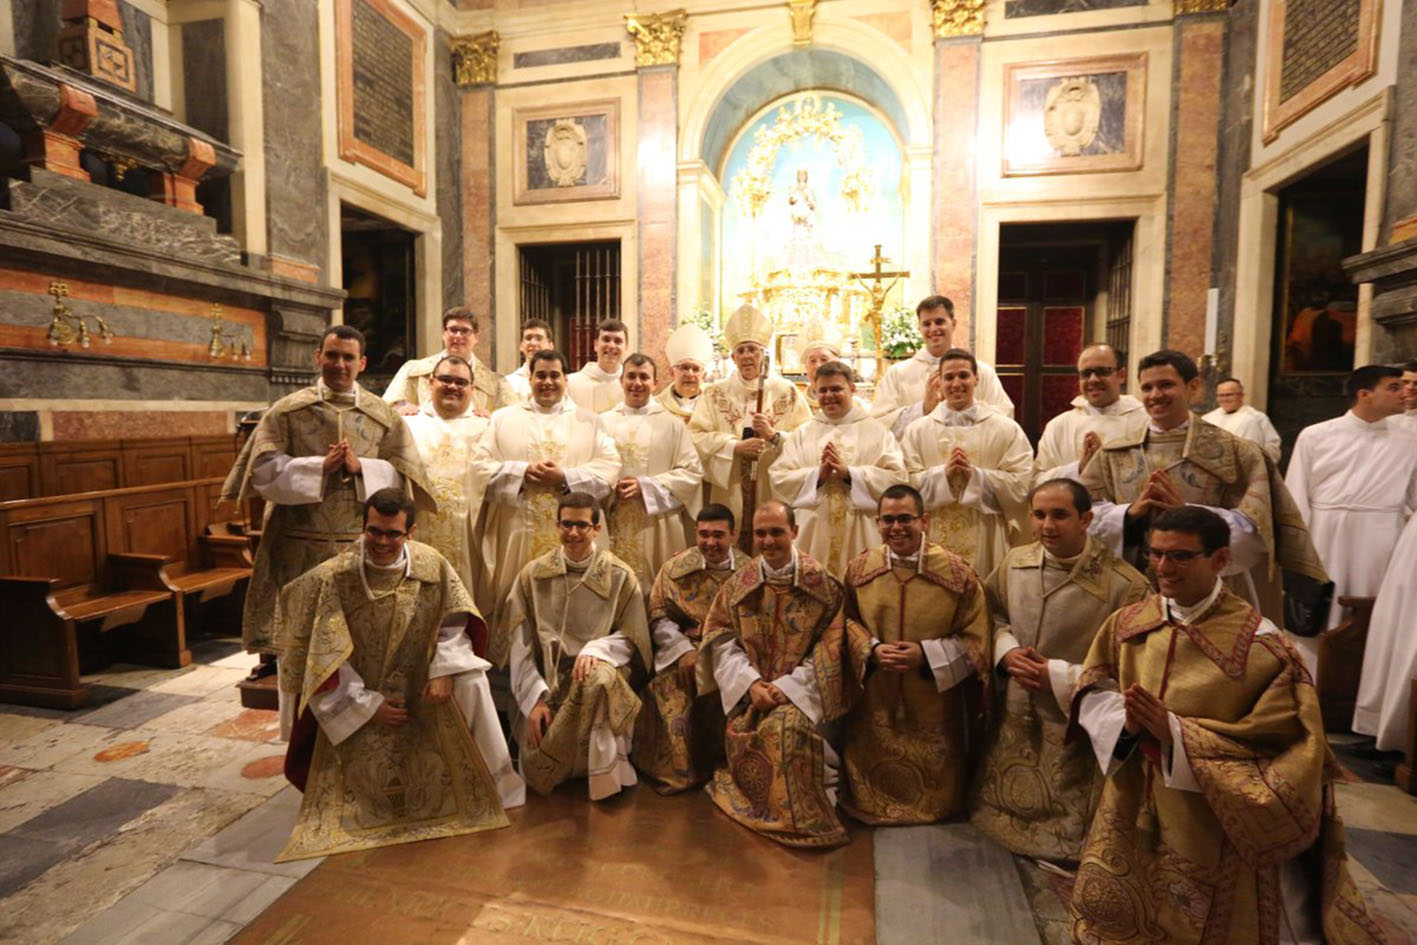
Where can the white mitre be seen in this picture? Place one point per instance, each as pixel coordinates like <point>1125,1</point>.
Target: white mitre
<point>747,324</point>
<point>819,334</point>
<point>689,342</point>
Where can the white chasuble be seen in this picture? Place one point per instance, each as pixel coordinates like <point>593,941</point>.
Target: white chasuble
<point>900,397</point>
<point>594,389</point>
<point>723,411</point>
<point>836,519</point>
<point>446,448</point>
<point>656,449</point>
<point>1060,446</point>
<point>971,516</point>
<point>519,517</point>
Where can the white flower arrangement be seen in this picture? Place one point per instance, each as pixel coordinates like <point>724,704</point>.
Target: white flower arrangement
<point>900,334</point>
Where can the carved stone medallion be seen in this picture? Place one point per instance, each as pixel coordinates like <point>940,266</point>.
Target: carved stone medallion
<point>565,152</point>
<point>1071,113</point>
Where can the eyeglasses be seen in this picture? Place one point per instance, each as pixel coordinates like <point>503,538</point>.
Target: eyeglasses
<point>1180,556</point>
<point>896,519</point>
<point>448,380</point>
<point>385,533</point>
<point>572,526</point>
<point>459,330</point>
<point>1098,372</point>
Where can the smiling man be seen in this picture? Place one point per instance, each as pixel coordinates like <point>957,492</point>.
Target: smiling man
<point>596,387</point>
<point>690,352</point>
<point>832,470</point>
<point>535,336</point>
<point>1034,793</point>
<point>1099,412</point>
<point>412,387</point>
<point>1237,417</point>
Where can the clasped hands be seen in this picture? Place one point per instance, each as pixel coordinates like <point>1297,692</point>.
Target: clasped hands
<point>900,657</point>
<point>1090,445</point>
<point>539,719</point>
<point>832,466</point>
<point>628,488</point>
<point>765,696</point>
<point>392,712</point>
<point>1028,666</point>
<point>763,432</point>
<point>545,473</point>
<point>1159,495</point>
<point>341,454</point>
<point>1146,712</point>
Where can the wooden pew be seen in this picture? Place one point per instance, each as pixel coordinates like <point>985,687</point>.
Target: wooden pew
<point>67,467</point>
<point>1341,663</point>
<point>102,576</point>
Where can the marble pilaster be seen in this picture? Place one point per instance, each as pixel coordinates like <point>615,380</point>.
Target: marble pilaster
<point>479,213</point>
<point>447,154</point>
<point>1233,155</point>
<point>657,206</point>
<point>1400,196</point>
<point>956,220</point>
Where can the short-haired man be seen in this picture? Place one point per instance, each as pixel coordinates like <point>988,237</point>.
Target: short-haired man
<point>651,509</point>
<point>412,389</point>
<point>1180,459</point>
<point>535,336</point>
<point>917,628</point>
<point>574,631</point>
<point>1237,417</point>
<point>314,457</point>
<point>596,387</point>
<point>911,390</point>
<point>377,651</point>
<point>1354,479</point>
<point>690,352</point>
<point>972,464</point>
<point>677,737</point>
<point>1217,818</point>
<point>1034,793</point>
<point>819,344</point>
<point>1408,418</point>
<point>531,454</point>
<point>832,470</point>
<point>1099,412</point>
<point>772,650</point>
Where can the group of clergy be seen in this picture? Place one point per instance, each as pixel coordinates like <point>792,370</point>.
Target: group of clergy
<point>808,605</point>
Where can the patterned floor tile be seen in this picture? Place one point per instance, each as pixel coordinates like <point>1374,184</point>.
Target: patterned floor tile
<point>1390,857</point>
<point>137,709</point>
<point>214,651</point>
<point>175,758</point>
<point>37,793</point>
<point>153,927</point>
<point>96,813</point>
<point>47,743</point>
<point>253,841</point>
<point>256,725</point>
<point>199,680</point>
<point>22,859</point>
<point>1377,807</point>
<point>195,718</point>
<point>131,676</point>
<point>100,695</point>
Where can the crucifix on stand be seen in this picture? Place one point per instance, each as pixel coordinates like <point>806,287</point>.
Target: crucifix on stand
<point>873,282</point>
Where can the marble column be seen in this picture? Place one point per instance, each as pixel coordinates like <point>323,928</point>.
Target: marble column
<point>956,190</point>
<point>1233,156</point>
<point>657,206</point>
<point>474,66</point>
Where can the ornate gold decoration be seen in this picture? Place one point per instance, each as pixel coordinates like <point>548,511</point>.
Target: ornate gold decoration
<point>957,17</point>
<point>1071,113</point>
<point>657,36</point>
<point>227,342</point>
<point>564,152</point>
<point>1201,6</point>
<point>801,12</point>
<point>65,327</point>
<point>475,59</point>
<point>804,118</point>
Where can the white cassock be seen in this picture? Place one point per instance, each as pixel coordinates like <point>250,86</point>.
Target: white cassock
<point>446,447</point>
<point>971,517</point>
<point>1390,660</point>
<point>1060,446</point>
<point>519,518</point>
<point>594,389</point>
<point>1353,482</point>
<point>837,521</point>
<point>656,449</point>
<point>681,407</point>
<point>1248,424</point>
<point>900,397</point>
<point>519,381</point>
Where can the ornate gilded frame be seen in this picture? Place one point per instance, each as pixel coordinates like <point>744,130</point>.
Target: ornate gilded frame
<point>351,148</point>
<point>1352,69</point>
<point>1128,159</point>
<point>608,189</point>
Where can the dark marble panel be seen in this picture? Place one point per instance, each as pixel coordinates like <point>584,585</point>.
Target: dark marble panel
<point>296,187</point>
<point>1232,161</point>
<point>76,376</point>
<point>555,57</point>
<point>94,814</point>
<point>1390,857</point>
<point>37,26</point>
<point>1013,8</point>
<point>135,710</point>
<point>138,34</point>
<point>35,311</point>
<point>204,76</point>
<point>23,859</point>
<point>19,426</point>
<point>447,133</point>
<point>1111,135</point>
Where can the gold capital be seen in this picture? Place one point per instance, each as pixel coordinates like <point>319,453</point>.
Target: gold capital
<point>475,59</point>
<point>801,12</point>
<point>957,17</point>
<point>657,36</point>
<point>1200,6</point>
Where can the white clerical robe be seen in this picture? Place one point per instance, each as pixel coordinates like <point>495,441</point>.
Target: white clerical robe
<point>656,449</point>
<point>681,407</point>
<point>594,389</point>
<point>520,382</point>
<point>1353,482</point>
<point>1390,660</point>
<point>413,383</point>
<point>446,447</point>
<point>1249,424</point>
<point>1060,446</point>
<point>900,396</point>
<point>519,518</point>
<point>971,517</point>
<point>837,521</point>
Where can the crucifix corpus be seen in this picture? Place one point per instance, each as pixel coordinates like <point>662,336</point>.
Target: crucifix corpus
<point>875,283</point>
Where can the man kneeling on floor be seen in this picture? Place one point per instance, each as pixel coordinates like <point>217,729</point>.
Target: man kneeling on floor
<point>393,735</point>
<point>574,630</point>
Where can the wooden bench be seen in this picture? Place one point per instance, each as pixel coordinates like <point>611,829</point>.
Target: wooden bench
<point>66,467</point>
<point>1341,663</point>
<point>97,577</point>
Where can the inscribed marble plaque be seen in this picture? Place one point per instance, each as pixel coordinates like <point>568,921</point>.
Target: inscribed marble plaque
<point>1315,49</point>
<point>381,57</point>
<point>1074,116</point>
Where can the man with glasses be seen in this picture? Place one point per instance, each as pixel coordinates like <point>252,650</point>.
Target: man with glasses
<point>1035,794</point>
<point>678,735</point>
<point>1237,417</point>
<point>395,737</point>
<point>411,389</point>
<point>574,632</point>
<point>917,628</point>
<point>1217,818</point>
<point>1099,412</point>
<point>536,336</point>
<point>690,352</point>
<point>596,387</point>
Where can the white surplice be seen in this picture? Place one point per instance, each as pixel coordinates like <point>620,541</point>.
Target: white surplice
<point>837,520</point>
<point>1249,424</point>
<point>900,396</point>
<point>519,518</point>
<point>656,449</point>
<point>446,447</point>
<point>973,522</point>
<point>1390,660</point>
<point>1060,446</point>
<point>594,389</point>
<point>1352,481</point>
<point>520,382</point>
<point>680,407</point>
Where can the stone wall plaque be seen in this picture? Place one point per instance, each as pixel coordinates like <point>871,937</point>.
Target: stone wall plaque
<point>1316,49</point>
<point>1073,116</point>
<point>381,54</point>
<point>566,152</point>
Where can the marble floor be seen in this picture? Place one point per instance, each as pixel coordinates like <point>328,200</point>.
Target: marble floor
<point>152,816</point>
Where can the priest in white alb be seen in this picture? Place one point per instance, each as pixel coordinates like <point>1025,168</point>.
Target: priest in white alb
<point>1099,412</point>
<point>596,387</point>
<point>536,335</point>
<point>1237,417</point>
<point>972,465</point>
<point>833,470</point>
<point>819,343</point>
<point>651,510</point>
<point>411,388</point>
<point>690,353</point>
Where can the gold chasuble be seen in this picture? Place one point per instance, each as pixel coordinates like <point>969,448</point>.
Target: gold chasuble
<point>295,538</point>
<point>905,744</point>
<point>676,734</point>
<point>1034,794</point>
<point>775,778</point>
<point>1202,867</point>
<point>383,784</point>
